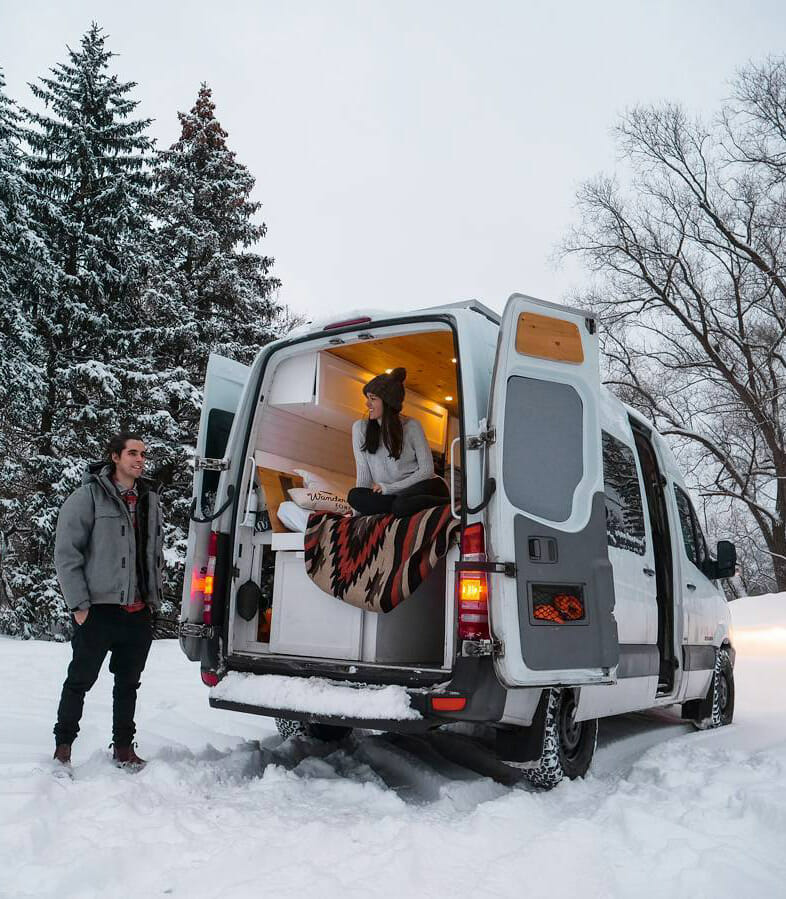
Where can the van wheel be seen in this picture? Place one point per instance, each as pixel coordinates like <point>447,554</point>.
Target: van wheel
<point>288,728</point>
<point>722,692</point>
<point>568,745</point>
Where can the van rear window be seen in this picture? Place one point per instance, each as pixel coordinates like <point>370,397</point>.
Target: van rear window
<point>624,508</point>
<point>219,424</point>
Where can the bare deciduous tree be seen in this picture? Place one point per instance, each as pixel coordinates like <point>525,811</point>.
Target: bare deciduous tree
<point>689,257</point>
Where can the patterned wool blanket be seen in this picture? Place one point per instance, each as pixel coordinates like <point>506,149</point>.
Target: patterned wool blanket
<point>375,562</point>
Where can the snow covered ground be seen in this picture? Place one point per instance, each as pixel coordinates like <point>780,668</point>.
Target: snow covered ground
<point>224,809</point>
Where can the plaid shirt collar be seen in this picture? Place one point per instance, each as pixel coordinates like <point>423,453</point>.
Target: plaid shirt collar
<point>124,492</point>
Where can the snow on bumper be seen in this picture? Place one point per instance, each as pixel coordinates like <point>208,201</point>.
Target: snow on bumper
<point>316,696</point>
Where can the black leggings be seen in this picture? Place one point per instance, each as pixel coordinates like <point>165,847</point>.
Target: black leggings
<point>423,495</point>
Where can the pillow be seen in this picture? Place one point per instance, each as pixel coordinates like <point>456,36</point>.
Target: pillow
<point>292,516</point>
<point>319,500</point>
<point>313,481</point>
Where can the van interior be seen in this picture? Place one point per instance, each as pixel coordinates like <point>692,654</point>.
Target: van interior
<point>312,394</point>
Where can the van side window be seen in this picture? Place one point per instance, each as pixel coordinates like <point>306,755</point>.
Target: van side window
<point>624,508</point>
<point>692,536</point>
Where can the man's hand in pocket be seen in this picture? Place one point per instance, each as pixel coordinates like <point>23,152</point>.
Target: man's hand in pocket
<point>80,616</point>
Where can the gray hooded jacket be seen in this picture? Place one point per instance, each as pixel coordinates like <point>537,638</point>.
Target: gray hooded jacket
<point>95,547</point>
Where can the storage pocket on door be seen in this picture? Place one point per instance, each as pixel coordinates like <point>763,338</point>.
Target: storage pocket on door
<point>557,604</point>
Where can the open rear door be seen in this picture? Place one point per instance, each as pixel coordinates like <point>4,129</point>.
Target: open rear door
<point>555,617</point>
<point>224,383</point>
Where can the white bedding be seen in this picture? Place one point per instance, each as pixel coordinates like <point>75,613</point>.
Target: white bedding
<point>292,516</point>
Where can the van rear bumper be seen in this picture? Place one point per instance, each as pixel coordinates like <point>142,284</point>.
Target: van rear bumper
<point>472,680</point>
<point>397,725</point>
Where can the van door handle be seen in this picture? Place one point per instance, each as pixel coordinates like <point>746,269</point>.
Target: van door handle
<point>691,586</point>
<point>650,572</point>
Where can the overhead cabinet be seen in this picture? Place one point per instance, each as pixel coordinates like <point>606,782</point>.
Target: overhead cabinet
<point>327,389</point>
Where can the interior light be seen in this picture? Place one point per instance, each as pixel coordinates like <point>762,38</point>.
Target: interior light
<point>449,399</point>
<point>388,371</point>
<point>454,360</point>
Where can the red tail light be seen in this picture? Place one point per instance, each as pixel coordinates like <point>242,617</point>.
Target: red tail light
<point>448,703</point>
<point>472,588</point>
<point>210,573</point>
<point>209,678</point>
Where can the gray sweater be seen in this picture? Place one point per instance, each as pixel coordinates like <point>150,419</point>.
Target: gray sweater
<point>393,475</point>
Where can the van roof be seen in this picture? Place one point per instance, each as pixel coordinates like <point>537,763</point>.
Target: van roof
<point>474,305</point>
<point>317,325</point>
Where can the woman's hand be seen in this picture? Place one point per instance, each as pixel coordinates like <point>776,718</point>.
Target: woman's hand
<point>80,616</point>
<point>376,488</point>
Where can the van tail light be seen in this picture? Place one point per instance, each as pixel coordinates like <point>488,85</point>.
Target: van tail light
<point>210,573</point>
<point>472,588</point>
<point>209,678</point>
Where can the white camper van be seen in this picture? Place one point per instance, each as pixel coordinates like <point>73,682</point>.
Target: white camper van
<point>564,495</point>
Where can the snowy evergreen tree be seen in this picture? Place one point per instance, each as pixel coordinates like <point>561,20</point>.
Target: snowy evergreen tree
<point>208,291</point>
<point>88,168</point>
<point>25,273</point>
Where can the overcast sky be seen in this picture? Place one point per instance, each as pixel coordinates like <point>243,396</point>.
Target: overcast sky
<point>409,153</point>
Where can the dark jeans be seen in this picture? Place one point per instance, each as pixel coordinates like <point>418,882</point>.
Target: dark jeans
<point>423,495</point>
<point>128,637</point>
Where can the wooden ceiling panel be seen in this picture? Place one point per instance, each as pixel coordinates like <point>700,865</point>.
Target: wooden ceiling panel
<point>428,359</point>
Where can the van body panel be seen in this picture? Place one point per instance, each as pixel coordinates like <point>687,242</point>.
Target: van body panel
<point>629,694</point>
<point>547,514</point>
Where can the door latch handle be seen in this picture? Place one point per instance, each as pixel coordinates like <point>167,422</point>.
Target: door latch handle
<point>691,586</point>
<point>650,572</point>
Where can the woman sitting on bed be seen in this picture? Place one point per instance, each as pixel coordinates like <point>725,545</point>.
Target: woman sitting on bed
<point>395,470</point>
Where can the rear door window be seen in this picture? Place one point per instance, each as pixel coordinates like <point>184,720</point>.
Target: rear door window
<point>219,424</point>
<point>624,506</point>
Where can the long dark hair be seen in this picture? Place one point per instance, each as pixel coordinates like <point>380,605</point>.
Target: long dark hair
<point>391,433</point>
<point>117,443</point>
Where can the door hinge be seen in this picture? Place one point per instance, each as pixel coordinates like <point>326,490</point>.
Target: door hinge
<point>193,629</point>
<point>202,464</point>
<point>484,438</point>
<point>235,572</point>
<point>472,649</point>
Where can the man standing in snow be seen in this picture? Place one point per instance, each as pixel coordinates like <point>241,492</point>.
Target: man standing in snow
<point>108,560</point>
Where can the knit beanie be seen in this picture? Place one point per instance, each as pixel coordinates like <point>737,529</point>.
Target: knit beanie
<point>389,388</point>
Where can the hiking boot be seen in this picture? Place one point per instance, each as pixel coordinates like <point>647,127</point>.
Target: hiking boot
<point>126,757</point>
<point>63,753</point>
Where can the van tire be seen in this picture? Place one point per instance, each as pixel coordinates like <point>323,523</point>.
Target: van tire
<point>722,693</point>
<point>328,733</point>
<point>287,728</point>
<point>568,745</point>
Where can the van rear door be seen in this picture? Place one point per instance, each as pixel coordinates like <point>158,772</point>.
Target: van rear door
<point>555,616</point>
<point>224,383</point>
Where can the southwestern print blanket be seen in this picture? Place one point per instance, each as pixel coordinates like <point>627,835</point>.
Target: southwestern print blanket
<point>375,562</point>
